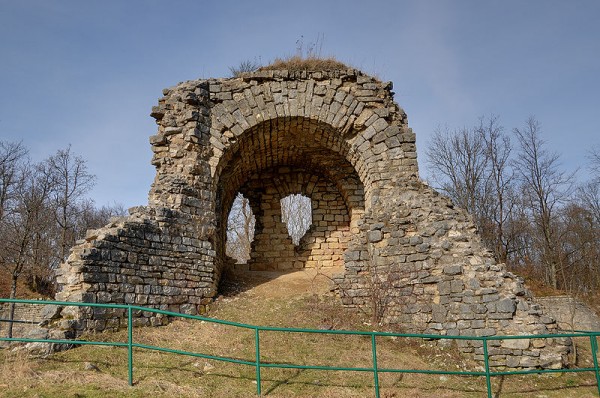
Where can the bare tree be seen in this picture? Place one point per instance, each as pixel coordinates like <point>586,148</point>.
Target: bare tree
<point>22,225</point>
<point>524,205</point>
<point>12,157</point>
<point>458,161</point>
<point>589,192</point>
<point>588,195</point>
<point>473,167</point>
<point>545,187</point>
<point>594,157</point>
<point>580,249</point>
<point>71,181</point>
<point>580,239</point>
<point>43,210</point>
<point>240,230</point>
<point>520,235</point>
<point>92,217</point>
<point>499,198</point>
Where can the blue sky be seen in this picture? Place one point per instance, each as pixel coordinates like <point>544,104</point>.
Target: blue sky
<point>87,73</point>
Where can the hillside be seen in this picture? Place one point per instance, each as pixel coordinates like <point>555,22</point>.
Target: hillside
<point>300,299</point>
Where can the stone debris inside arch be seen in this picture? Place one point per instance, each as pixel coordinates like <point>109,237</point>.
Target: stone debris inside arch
<point>339,139</point>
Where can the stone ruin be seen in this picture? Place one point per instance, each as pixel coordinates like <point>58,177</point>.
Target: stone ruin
<point>338,138</point>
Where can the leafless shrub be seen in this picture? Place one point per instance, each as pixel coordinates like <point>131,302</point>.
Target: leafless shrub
<point>245,67</point>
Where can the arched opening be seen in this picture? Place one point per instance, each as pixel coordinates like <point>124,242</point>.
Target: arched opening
<point>299,157</point>
<point>296,213</point>
<point>240,230</point>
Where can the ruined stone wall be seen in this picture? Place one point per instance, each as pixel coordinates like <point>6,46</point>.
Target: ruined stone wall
<point>217,137</point>
<point>427,267</point>
<point>151,258</point>
<point>28,316</point>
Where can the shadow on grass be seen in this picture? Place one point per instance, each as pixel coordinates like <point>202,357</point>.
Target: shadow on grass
<point>287,380</point>
<point>236,282</point>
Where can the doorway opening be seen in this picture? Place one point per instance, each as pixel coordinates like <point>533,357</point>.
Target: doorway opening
<point>296,213</point>
<point>241,225</point>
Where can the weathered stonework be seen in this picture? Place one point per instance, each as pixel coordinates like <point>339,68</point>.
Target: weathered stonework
<point>339,138</point>
<point>27,316</point>
<point>326,240</point>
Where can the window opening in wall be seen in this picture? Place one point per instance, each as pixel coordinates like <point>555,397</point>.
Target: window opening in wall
<point>296,213</point>
<point>240,230</point>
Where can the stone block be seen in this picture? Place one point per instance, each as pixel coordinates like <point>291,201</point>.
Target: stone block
<point>517,344</point>
<point>375,236</point>
<point>506,305</point>
<point>456,286</point>
<point>453,269</point>
<point>487,298</point>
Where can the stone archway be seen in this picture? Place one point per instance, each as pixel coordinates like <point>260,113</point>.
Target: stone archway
<point>338,137</point>
<point>281,157</point>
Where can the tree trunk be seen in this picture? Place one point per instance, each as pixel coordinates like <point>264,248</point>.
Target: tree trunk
<point>11,307</point>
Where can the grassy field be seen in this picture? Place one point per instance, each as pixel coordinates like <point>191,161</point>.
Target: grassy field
<point>94,371</point>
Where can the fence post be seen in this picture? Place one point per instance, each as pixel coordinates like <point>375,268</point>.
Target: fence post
<point>257,351</point>
<point>594,343</point>
<point>130,345</point>
<point>488,382</point>
<point>375,372</point>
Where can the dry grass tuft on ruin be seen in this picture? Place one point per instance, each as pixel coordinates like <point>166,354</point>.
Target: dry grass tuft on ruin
<point>297,63</point>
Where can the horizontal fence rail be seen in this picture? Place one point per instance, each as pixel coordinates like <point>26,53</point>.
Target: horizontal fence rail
<point>18,321</point>
<point>258,364</point>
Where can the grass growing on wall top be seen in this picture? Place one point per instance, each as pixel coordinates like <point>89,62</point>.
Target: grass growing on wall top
<point>297,63</point>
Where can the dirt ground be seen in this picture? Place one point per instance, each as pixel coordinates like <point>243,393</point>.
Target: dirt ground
<point>278,284</point>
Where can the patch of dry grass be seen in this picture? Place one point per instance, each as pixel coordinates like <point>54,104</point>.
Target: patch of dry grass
<point>168,375</point>
<point>297,63</point>
<point>16,367</point>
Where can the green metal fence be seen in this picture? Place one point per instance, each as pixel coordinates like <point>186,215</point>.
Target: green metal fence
<point>259,364</point>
